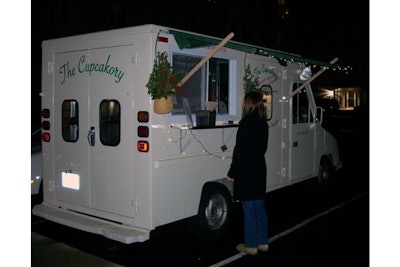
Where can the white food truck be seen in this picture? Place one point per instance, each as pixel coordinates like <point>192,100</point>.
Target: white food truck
<point>114,167</point>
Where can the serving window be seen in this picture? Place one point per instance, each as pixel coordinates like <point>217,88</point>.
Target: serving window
<point>209,83</point>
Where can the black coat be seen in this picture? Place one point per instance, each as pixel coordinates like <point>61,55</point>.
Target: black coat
<point>248,166</point>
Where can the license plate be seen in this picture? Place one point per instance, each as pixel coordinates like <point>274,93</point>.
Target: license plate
<point>70,180</point>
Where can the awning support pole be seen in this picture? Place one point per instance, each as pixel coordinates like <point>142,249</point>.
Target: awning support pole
<point>285,99</point>
<point>206,58</point>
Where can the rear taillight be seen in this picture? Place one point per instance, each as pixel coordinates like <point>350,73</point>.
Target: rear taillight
<point>46,137</point>
<point>46,113</point>
<point>143,131</point>
<point>45,125</point>
<point>143,146</point>
<point>143,116</point>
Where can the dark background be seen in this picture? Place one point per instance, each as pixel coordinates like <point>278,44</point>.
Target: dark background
<point>319,30</point>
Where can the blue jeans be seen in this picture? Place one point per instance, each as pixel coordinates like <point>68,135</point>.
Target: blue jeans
<point>255,223</point>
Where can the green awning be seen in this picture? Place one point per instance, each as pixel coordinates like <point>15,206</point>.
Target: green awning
<point>189,40</point>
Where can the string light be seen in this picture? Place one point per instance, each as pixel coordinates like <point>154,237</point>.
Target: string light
<point>304,61</point>
<point>205,149</point>
<point>182,136</point>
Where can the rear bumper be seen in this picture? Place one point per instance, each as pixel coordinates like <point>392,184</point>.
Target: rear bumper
<point>90,224</point>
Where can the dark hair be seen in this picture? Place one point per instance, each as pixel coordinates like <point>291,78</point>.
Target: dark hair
<point>253,102</point>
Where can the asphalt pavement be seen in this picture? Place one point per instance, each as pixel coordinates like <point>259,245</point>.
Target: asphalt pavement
<point>48,252</point>
<point>335,236</point>
<point>338,237</point>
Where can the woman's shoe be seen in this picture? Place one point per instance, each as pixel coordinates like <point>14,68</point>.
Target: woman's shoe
<point>244,249</point>
<point>263,247</point>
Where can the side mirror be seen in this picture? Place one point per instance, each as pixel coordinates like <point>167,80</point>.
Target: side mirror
<point>319,116</point>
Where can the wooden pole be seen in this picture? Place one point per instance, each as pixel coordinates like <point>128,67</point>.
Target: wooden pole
<point>206,58</point>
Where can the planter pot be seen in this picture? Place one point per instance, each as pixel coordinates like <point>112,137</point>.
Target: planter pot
<point>163,106</point>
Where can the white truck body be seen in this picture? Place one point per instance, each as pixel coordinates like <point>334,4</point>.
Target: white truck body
<point>93,88</point>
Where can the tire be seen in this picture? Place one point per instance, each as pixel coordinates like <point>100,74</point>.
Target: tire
<point>325,171</point>
<point>215,212</point>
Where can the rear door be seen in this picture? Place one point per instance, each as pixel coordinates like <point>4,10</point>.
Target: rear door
<point>93,151</point>
<point>112,118</point>
<point>71,150</point>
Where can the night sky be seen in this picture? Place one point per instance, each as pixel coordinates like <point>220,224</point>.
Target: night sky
<point>316,29</point>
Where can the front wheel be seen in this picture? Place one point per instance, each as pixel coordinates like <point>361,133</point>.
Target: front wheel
<point>215,210</point>
<point>325,171</point>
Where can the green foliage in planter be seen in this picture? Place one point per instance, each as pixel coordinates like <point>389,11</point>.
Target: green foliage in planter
<point>251,80</point>
<point>163,79</point>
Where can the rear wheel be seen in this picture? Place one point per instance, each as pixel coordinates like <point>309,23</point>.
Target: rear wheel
<point>215,211</point>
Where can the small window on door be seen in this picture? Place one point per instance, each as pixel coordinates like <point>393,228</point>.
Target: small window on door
<point>301,109</point>
<point>70,120</point>
<point>110,122</point>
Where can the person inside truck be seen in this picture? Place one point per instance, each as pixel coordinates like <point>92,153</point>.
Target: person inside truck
<point>248,172</point>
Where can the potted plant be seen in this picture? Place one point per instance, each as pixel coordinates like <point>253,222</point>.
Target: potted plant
<point>251,80</point>
<point>163,84</point>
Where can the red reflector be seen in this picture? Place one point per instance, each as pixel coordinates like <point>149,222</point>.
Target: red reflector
<point>143,146</point>
<point>45,125</point>
<point>46,113</point>
<point>46,137</point>
<point>162,39</point>
<point>143,116</point>
<point>143,131</point>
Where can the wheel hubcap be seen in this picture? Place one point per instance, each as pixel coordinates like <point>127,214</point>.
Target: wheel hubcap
<point>216,212</point>
<point>323,174</point>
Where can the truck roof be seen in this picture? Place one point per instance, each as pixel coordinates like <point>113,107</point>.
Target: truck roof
<point>186,39</point>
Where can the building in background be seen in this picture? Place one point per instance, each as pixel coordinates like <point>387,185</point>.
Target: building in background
<point>341,98</point>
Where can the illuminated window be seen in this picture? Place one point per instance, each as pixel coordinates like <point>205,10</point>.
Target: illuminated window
<point>209,83</point>
<point>350,99</point>
<point>110,122</point>
<point>70,120</point>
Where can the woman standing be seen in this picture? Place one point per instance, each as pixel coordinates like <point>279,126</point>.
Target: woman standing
<point>248,173</point>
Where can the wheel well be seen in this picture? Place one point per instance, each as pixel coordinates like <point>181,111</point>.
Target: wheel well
<point>327,158</point>
<point>216,185</point>
<point>213,221</point>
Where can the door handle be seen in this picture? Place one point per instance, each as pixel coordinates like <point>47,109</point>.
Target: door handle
<point>295,143</point>
<point>91,136</point>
